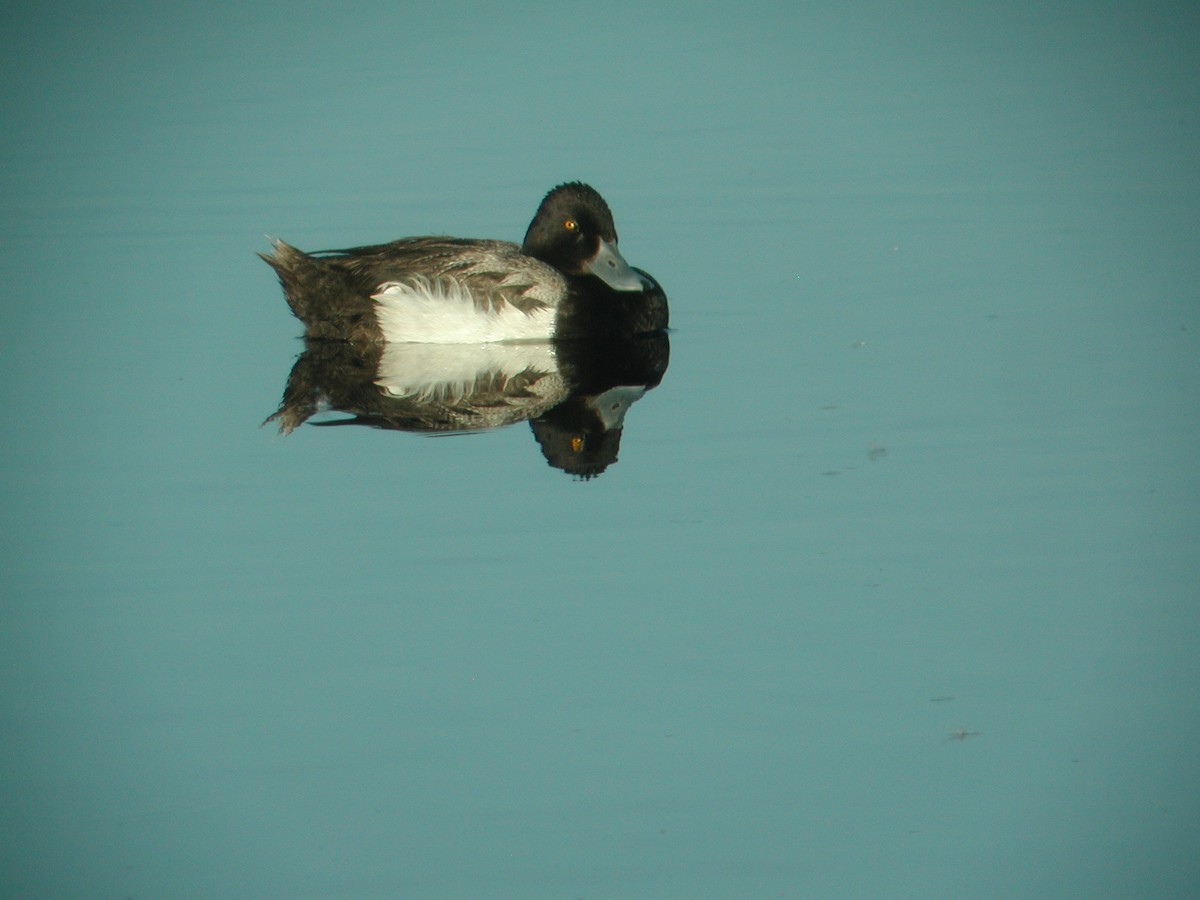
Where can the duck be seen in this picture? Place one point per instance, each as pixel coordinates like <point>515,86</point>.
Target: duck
<point>566,280</point>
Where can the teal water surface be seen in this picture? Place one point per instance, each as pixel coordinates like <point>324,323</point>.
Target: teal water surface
<point>891,591</point>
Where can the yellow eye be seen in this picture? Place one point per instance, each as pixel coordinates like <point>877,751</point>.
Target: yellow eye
<point>570,225</point>
<point>576,443</point>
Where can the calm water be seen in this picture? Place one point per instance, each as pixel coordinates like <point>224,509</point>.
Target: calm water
<point>892,590</point>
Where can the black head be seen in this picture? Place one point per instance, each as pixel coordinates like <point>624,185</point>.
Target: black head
<point>573,231</point>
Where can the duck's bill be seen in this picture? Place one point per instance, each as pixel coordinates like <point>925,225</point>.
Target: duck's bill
<point>610,267</point>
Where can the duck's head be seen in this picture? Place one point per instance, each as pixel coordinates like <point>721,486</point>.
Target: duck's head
<point>573,231</point>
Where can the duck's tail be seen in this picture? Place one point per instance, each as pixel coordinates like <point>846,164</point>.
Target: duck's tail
<point>305,280</point>
<point>321,295</point>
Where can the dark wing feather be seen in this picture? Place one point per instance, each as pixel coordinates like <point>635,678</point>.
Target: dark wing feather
<point>495,273</point>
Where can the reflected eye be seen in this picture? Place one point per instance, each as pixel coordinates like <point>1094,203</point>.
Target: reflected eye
<point>571,225</point>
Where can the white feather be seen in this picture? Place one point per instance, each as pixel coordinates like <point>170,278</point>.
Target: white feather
<point>443,311</point>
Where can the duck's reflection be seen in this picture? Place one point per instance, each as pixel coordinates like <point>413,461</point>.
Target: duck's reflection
<point>573,393</point>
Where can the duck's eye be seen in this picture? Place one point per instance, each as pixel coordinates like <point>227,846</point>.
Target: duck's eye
<point>571,225</point>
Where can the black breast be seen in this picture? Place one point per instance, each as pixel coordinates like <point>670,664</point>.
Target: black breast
<point>593,310</point>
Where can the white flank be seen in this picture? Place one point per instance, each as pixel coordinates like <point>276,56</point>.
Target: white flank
<point>450,373</point>
<point>442,311</point>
